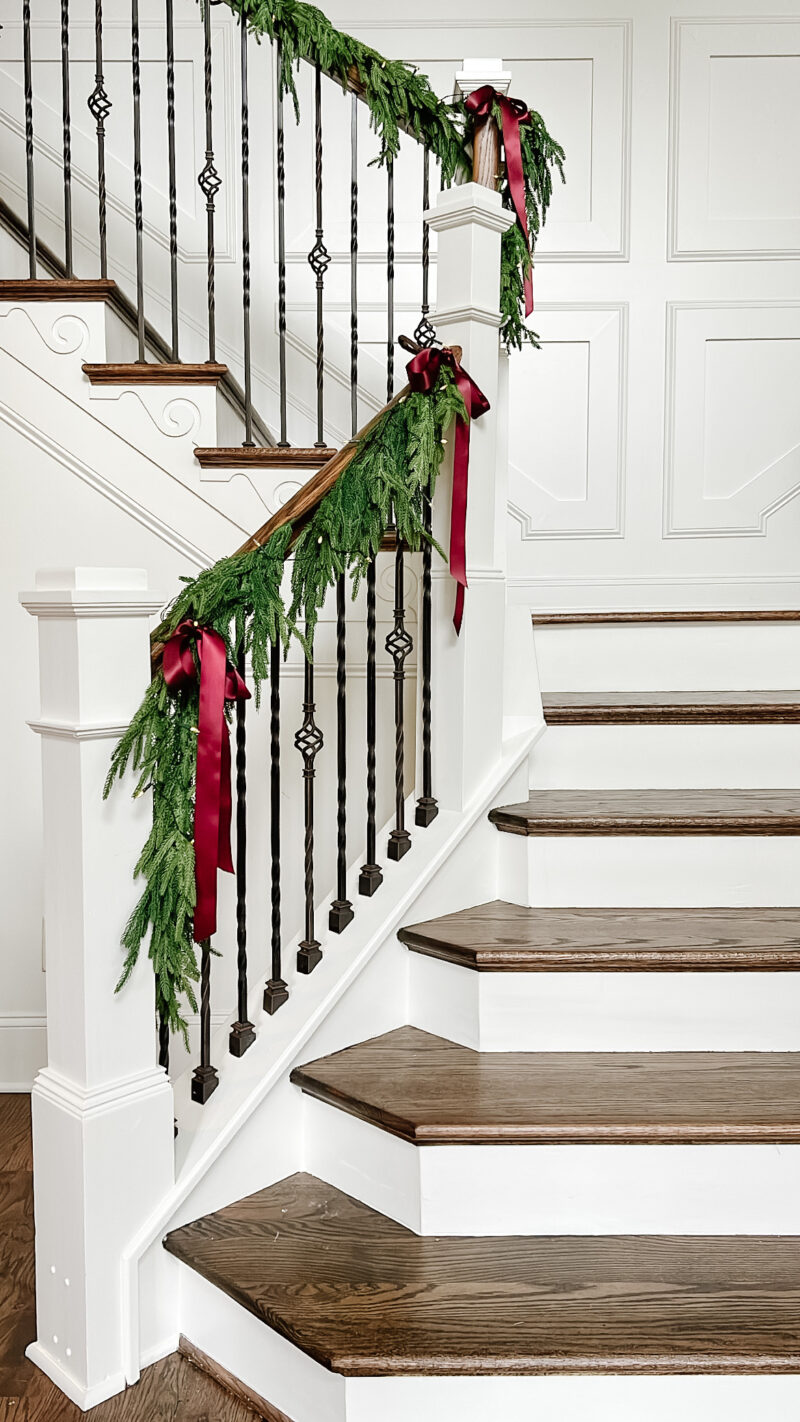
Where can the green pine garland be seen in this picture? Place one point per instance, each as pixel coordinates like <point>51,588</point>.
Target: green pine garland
<point>400,98</point>
<point>395,465</point>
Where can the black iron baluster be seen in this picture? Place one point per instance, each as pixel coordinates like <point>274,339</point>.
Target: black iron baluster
<point>283,442</point>
<point>398,645</point>
<point>371,876</point>
<point>318,258</point>
<point>99,106</point>
<point>248,379</point>
<point>172,179</point>
<point>28,86</point>
<point>163,1041</point>
<point>427,807</point>
<point>309,743</point>
<point>204,1077</point>
<point>353,264</point>
<point>276,991</point>
<point>242,1032</point>
<point>390,279</point>
<point>210,183</point>
<point>66,137</point>
<point>425,335</point>
<point>138,214</point>
<point>341,912</point>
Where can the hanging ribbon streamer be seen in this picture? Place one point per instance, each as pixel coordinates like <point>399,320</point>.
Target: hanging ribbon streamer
<point>423,372</point>
<point>514,112</point>
<point>219,682</point>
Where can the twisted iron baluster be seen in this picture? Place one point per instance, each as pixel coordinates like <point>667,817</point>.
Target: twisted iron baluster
<point>171,163</point>
<point>425,335</point>
<point>66,126</point>
<point>242,1032</point>
<point>399,645</point>
<point>209,183</point>
<point>283,442</point>
<point>427,807</point>
<point>371,876</point>
<point>28,87</point>
<point>353,264</point>
<point>204,1077</point>
<point>341,912</point>
<point>138,215</point>
<point>309,743</point>
<point>318,258</point>
<point>248,379</point>
<point>276,991</point>
<point>389,279</point>
<point>99,106</point>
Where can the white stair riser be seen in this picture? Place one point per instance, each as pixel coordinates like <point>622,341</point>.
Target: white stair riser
<point>307,1392</point>
<point>606,1012</point>
<point>648,656</point>
<point>557,1189</point>
<point>680,757</point>
<point>644,871</point>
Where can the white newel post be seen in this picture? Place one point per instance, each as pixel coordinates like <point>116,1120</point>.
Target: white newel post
<point>102,1109</point>
<point>468,670</point>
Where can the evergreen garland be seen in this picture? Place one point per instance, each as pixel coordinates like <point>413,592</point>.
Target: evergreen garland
<point>395,465</point>
<point>399,97</point>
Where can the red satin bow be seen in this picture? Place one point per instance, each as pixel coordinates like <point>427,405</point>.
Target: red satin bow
<point>423,371</point>
<point>219,682</point>
<point>514,112</point>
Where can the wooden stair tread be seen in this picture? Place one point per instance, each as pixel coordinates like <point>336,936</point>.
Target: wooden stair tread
<point>434,1092</point>
<point>503,937</point>
<point>366,1297</point>
<point>57,289</point>
<point>664,812</point>
<point>578,708</point>
<point>259,457</point>
<point>154,373</point>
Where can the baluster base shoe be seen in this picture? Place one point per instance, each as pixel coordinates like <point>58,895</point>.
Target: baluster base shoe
<point>426,811</point>
<point>204,1083</point>
<point>370,879</point>
<point>341,913</point>
<point>276,994</point>
<point>308,955</point>
<point>242,1036</point>
<point>399,844</point>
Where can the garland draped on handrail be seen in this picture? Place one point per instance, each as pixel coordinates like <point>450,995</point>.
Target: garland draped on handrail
<point>400,99</point>
<point>238,604</point>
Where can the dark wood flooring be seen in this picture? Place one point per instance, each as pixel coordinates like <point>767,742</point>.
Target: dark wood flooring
<point>663,812</point>
<point>366,1297</point>
<point>433,1092</point>
<point>170,1391</point>
<point>503,937</point>
<point>669,708</point>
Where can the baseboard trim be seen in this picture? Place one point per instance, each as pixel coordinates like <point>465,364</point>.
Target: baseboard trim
<point>23,1050</point>
<point>83,1397</point>
<point>232,1385</point>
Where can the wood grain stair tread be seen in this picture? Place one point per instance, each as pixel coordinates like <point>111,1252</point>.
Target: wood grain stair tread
<point>589,708</point>
<point>366,1297</point>
<point>434,1092</point>
<point>154,373</point>
<point>503,937</point>
<point>664,812</point>
<point>258,457</point>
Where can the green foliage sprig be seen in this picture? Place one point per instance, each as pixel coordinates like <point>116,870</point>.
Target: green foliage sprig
<point>399,98</point>
<point>394,467</point>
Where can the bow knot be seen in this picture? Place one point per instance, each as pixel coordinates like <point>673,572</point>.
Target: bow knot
<point>513,112</point>
<point>219,682</point>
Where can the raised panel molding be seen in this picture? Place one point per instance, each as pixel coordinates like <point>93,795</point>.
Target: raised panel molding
<point>567,425</point>
<point>734,127</point>
<point>732,418</point>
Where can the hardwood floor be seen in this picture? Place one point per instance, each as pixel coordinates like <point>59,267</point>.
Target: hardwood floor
<point>670,708</point>
<point>367,1297</point>
<point>170,1391</point>
<point>662,812</point>
<point>503,937</point>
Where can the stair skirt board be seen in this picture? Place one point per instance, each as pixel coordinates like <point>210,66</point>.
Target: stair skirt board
<point>304,1391</point>
<point>606,1011</point>
<point>665,870</point>
<point>556,1189</point>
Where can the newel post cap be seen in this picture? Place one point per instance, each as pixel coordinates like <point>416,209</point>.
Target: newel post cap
<point>90,592</point>
<point>469,203</point>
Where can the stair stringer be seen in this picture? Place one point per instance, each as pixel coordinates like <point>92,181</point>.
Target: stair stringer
<point>250,1133</point>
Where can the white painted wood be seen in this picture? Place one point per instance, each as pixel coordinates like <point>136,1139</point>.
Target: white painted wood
<point>102,1112</point>
<point>681,757</point>
<point>605,1012</point>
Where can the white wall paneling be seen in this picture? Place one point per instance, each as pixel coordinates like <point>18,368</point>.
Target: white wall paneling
<point>735,186</point>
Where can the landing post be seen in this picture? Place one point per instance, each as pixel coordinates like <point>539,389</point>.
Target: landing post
<point>102,1109</point>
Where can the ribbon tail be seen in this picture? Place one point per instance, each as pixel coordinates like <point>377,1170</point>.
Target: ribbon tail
<point>458,518</point>
<point>458,610</point>
<point>516,184</point>
<point>208,782</point>
<point>528,284</point>
<point>224,856</point>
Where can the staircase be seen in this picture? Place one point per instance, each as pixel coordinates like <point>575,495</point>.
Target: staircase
<point>569,1186</point>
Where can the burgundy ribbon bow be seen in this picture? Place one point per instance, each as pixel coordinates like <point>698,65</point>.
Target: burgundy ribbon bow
<point>514,112</point>
<point>423,371</point>
<point>219,682</point>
